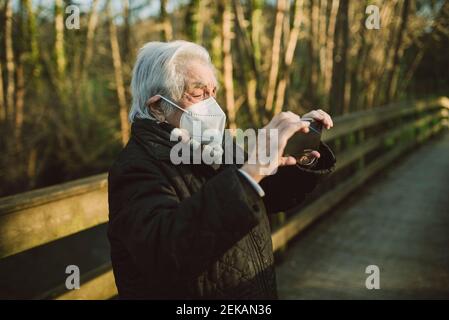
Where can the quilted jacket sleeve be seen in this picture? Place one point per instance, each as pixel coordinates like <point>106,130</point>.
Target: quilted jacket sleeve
<point>167,236</point>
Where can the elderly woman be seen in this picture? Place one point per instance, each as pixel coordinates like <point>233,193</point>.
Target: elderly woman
<point>196,231</point>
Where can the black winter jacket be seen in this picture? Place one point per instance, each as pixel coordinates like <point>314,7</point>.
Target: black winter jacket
<point>190,231</point>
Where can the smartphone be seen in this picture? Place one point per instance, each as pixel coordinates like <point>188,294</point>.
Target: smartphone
<point>301,144</point>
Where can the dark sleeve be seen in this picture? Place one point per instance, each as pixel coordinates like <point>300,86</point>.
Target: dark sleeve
<point>289,186</point>
<point>167,236</point>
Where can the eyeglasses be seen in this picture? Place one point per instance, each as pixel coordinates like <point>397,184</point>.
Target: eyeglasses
<point>206,94</point>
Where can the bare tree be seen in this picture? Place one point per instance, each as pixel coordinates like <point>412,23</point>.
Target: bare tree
<point>398,50</point>
<point>313,47</point>
<point>20,102</point>
<point>337,94</point>
<point>377,59</point>
<point>194,21</point>
<point>126,40</point>
<point>289,54</point>
<point>330,45</point>
<point>118,73</point>
<point>166,28</point>
<point>10,64</point>
<point>250,70</point>
<point>324,7</point>
<point>2,97</point>
<point>256,28</point>
<point>275,54</point>
<point>59,38</point>
<point>31,27</point>
<point>360,54</point>
<point>91,28</point>
<point>227,21</point>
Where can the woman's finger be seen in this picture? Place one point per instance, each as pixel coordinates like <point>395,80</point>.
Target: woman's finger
<point>289,128</point>
<point>287,161</point>
<point>281,117</point>
<point>328,118</point>
<point>324,118</point>
<point>316,154</point>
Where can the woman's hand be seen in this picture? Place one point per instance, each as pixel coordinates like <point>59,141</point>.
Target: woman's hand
<point>285,124</point>
<point>321,116</point>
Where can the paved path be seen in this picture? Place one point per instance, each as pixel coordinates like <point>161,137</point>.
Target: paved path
<point>399,221</point>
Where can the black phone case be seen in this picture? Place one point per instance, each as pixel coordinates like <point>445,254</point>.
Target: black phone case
<point>301,143</point>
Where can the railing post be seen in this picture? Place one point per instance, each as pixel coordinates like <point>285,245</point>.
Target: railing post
<point>361,161</point>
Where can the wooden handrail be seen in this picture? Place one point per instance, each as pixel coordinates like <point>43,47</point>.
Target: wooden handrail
<point>31,219</point>
<point>37,217</point>
<point>348,123</point>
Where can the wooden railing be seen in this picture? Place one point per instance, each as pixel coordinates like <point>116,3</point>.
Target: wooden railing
<point>364,142</point>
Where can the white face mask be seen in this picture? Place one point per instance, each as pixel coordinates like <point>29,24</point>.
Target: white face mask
<point>201,116</point>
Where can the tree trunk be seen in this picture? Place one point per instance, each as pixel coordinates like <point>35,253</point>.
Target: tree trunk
<point>256,30</point>
<point>314,48</point>
<point>411,70</point>
<point>227,64</point>
<point>393,74</point>
<point>330,46</point>
<point>383,53</point>
<point>82,68</point>
<point>22,53</point>
<point>118,73</point>
<point>289,54</point>
<point>379,55</point>
<point>59,38</point>
<point>10,64</point>
<point>275,55</point>
<point>194,21</point>
<point>355,78</point>
<point>33,39</point>
<point>20,102</point>
<point>91,27</point>
<point>2,97</point>
<point>250,70</point>
<point>166,28</point>
<point>216,41</point>
<point>337,94</point>
<point>126,30</point>
<point>322,42</point>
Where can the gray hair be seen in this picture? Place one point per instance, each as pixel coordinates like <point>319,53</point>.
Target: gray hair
<point>161,69</point>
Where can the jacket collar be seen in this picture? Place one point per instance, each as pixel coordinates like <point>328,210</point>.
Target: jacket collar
<point>154,137</point>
